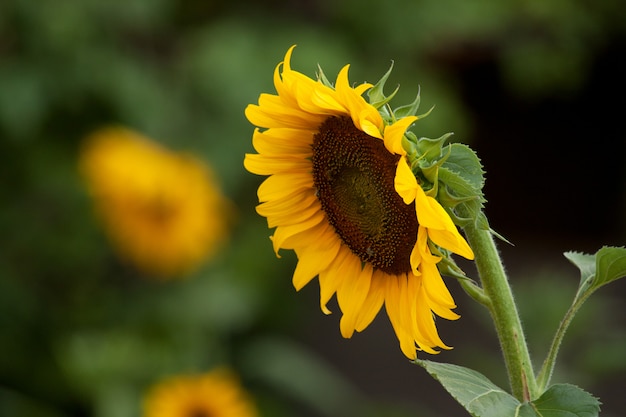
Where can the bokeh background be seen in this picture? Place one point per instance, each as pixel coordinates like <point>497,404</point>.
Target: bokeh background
<point>536,87</point>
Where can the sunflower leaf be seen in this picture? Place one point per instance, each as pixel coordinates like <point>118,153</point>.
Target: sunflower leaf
<point>482,398</point>
<point>586,263</point>
<point>607,265</point>
<point>610,265</point>
<point>477,394</point>
<point>562,400</point>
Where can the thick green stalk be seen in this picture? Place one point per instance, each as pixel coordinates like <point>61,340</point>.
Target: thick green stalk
<point>504,313</point>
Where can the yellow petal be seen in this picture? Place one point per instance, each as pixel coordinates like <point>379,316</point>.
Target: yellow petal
<point>353,291</point>
<point>283,89</point>
<point>452,241</point>
<point>394,133</point>
<point>326,98</point>
<point>430,213</point>
<point>315,256</point>
<point>364,116</point>
<point>288,205</point>
<point>420,316</point>
<point>304,88</point>
<point>439,298</point>
<point>435,287</point>
<point>370,123</point>
<point>404,181</point>
<point>362,88</point>
<point>374,301</point>
<point>288,237</point>
<point>421,245</point>
<point>281,185</point>
<point>394,307</point>
<point>421,252</point>
<point>295,142</point>
<point>274,115</point>
<point>269,165</point>
<point>424,320</point>
<point>332,278</point>
<point>290,216</point>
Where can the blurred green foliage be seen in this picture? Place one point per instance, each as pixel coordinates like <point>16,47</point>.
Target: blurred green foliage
<point>82,334</point>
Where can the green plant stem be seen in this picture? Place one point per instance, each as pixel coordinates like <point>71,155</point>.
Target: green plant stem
<point>543,379</point>
<point>504,314</point>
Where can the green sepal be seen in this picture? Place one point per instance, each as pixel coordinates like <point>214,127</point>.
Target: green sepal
<point>409,109</point>
<point>322,77</point>
<point>449,268</point>
<point>431,150</point>
<point>409,143</point>
<point>376,94</point>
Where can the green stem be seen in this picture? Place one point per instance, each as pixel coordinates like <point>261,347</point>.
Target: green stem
<point>543,379</point>
<point>504,313</point>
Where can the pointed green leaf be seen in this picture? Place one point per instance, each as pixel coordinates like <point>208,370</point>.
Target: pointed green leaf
<point>563,400</point>
<point>482,398</point>
<point>610,265</point>
<point>587,265</point>
<point>607,265</point>
<point>479,396</point>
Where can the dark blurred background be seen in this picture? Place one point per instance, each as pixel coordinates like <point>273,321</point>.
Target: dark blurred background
<point>536,88</point>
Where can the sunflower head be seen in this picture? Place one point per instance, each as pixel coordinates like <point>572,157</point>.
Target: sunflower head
<point>344,191</point>
<point>218,393</point>
<point>163,210</point>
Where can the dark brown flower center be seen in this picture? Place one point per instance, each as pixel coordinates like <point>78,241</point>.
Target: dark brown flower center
<point>199,411</point>
<point>354,177</point>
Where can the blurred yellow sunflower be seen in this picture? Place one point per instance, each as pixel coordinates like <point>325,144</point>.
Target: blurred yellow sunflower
<point>342,196</point>
<point>162,210</point>
<point>215,394</point>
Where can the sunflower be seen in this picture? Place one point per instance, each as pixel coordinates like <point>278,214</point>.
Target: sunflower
<point>215,394</point>
<point>341,194</point>
<point>163,211</point>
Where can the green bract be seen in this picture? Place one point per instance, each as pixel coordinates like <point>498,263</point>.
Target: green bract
<point>449,172</point>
